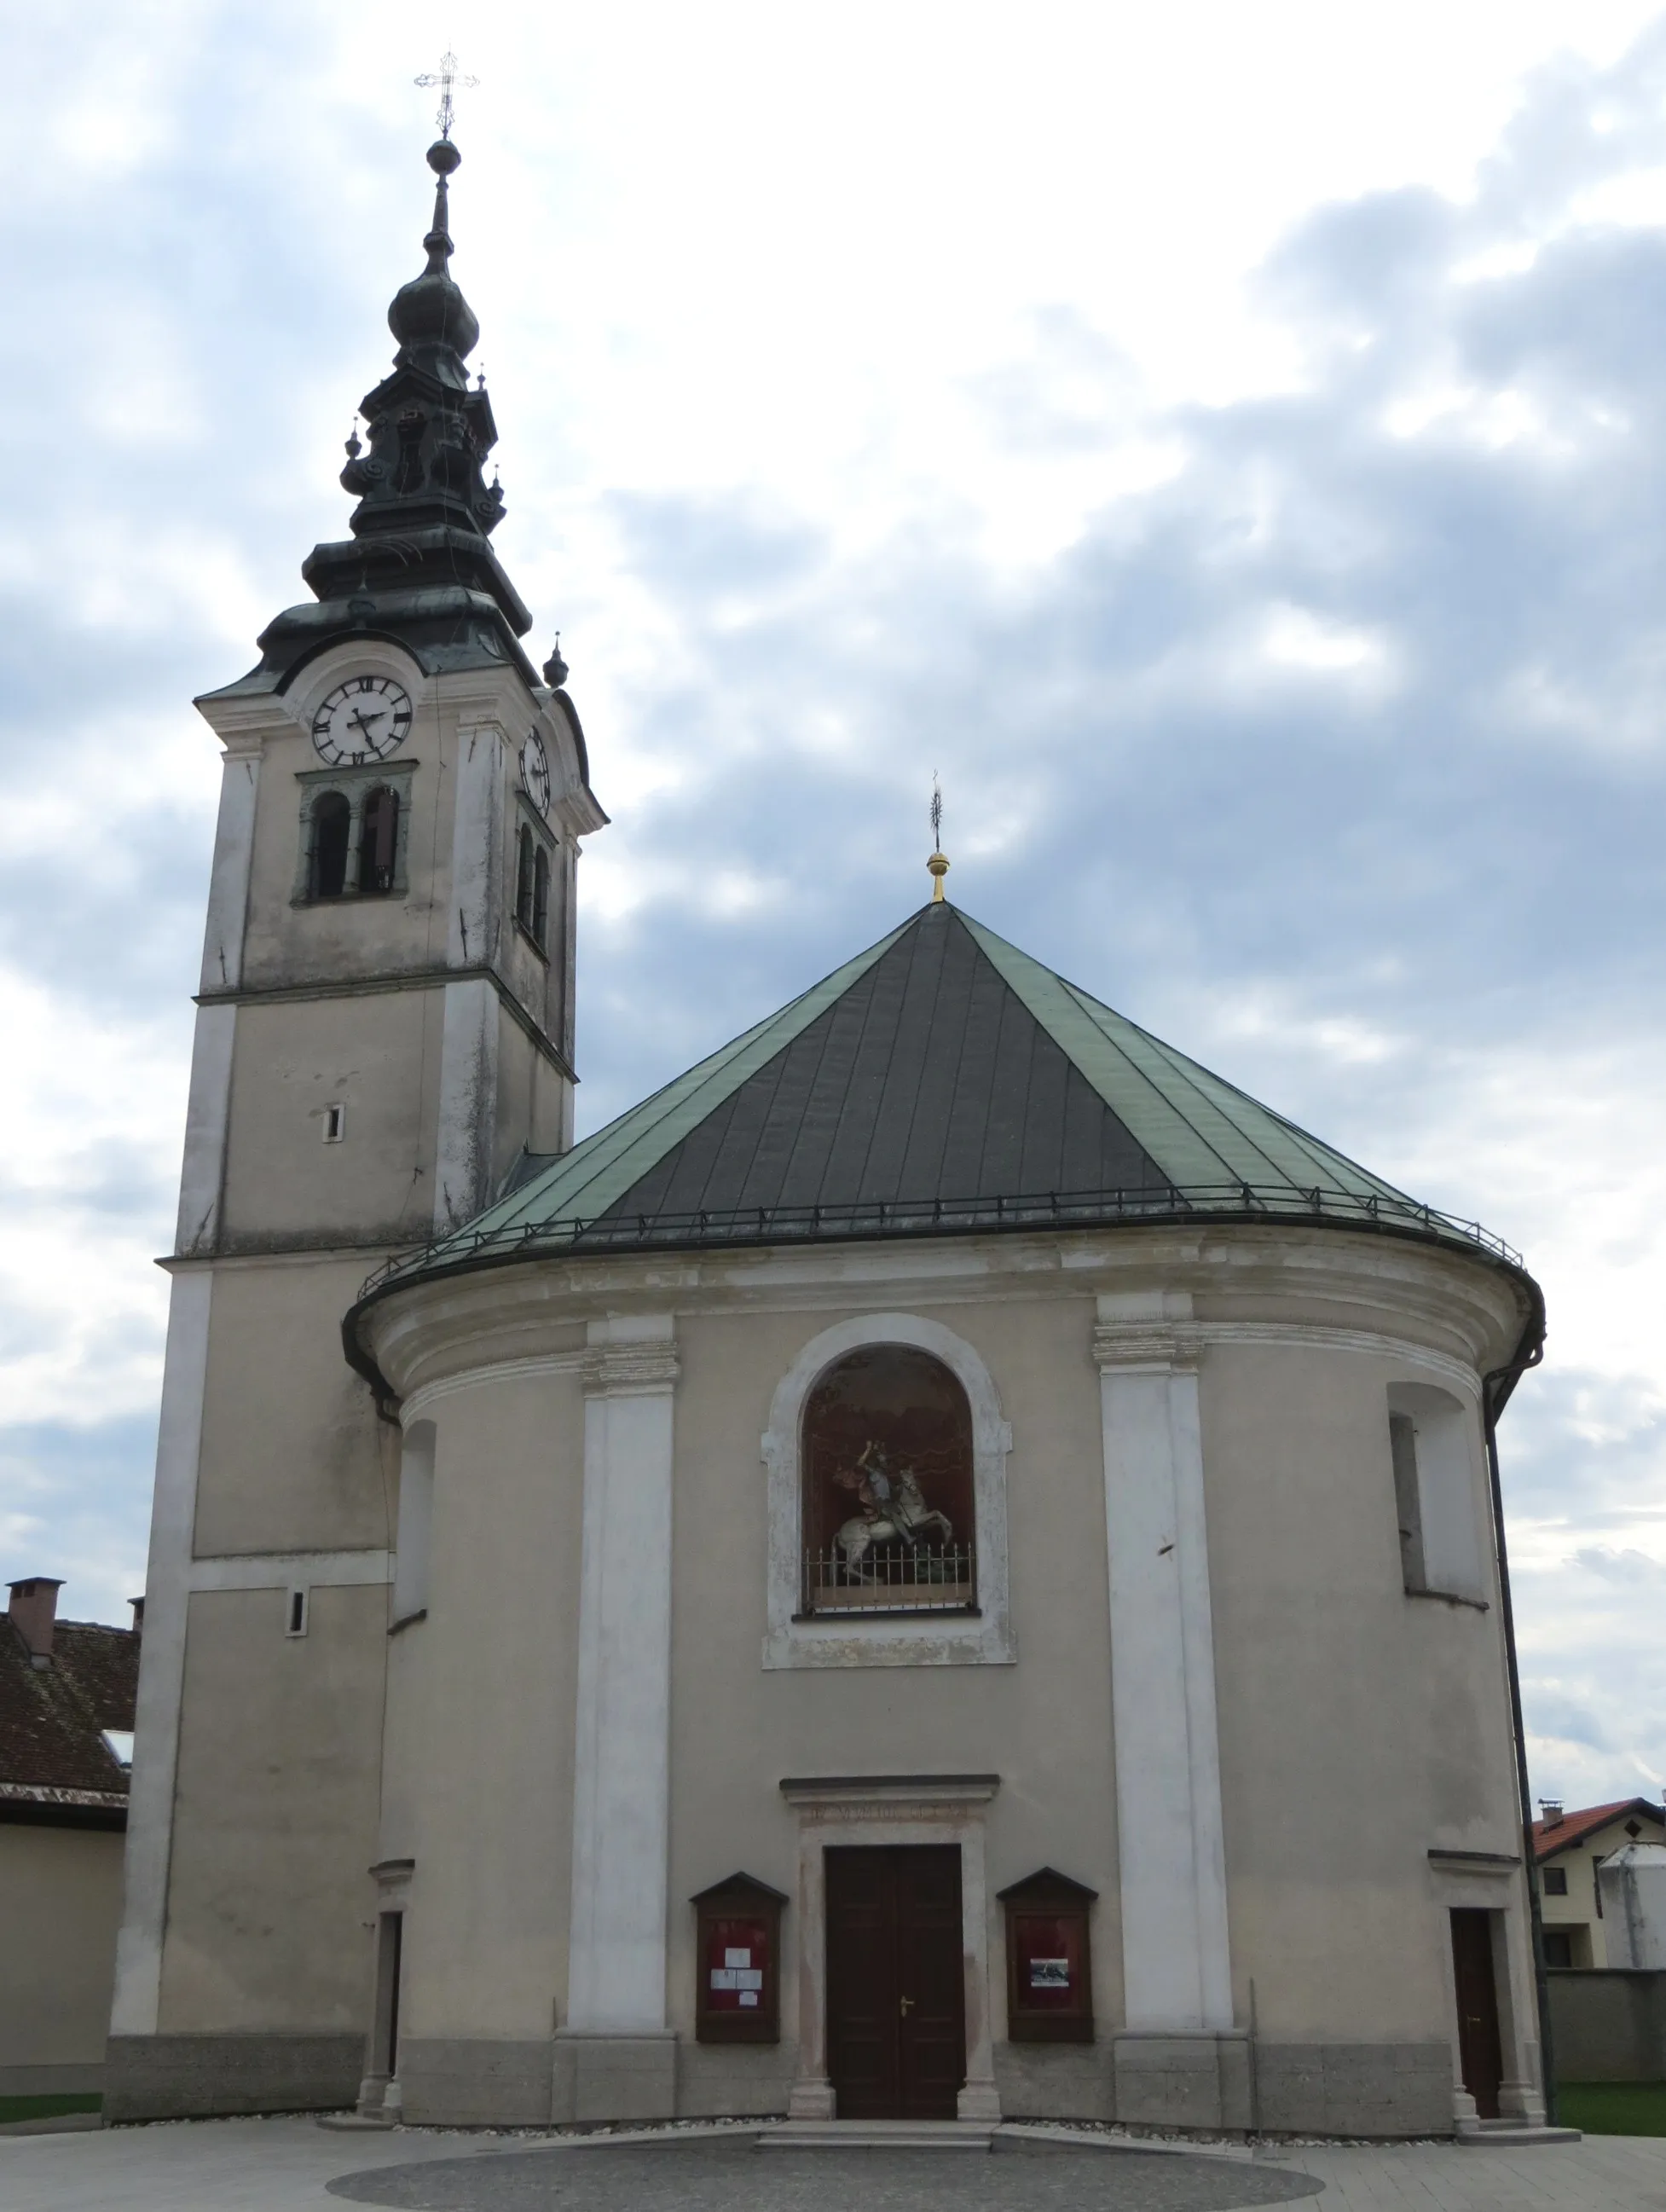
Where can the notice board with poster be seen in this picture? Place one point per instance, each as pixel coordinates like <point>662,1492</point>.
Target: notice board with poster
<point>738,1961</point>
<point>1049,1960</point>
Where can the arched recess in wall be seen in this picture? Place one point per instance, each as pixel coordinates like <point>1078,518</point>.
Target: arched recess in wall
<point>969,1633</point>
<point>416,1521</point>
<point>887,1511</point>
<point>1434,1445</point>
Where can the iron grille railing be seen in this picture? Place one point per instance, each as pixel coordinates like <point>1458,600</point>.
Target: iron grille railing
<point>891,1578</point>
<point>783,1224</point>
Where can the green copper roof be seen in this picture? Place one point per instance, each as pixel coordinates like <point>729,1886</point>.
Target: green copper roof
<point>940,1081</point>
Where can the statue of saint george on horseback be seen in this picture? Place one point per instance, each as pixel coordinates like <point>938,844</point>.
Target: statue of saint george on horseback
<point>893,1510</point>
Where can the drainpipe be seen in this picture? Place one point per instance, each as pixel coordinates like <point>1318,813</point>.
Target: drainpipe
<point>1496,1389</point>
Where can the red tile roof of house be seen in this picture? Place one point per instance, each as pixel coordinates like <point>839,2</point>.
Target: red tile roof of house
<point>54,1762</point>
<point>1551,1837</point>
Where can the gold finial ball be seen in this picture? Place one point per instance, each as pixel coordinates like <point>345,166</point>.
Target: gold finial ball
<point>937,867</point>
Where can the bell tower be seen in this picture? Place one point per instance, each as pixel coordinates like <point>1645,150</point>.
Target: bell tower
<point>383,1030</point>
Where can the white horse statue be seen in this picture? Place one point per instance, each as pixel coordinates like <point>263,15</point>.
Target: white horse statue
<point>898,1513</point>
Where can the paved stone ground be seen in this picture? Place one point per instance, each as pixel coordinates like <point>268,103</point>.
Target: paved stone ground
<point>732,2176</point>
<point>288,2165</point>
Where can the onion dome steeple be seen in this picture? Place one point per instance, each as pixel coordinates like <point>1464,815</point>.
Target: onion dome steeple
<point>418,565</point>
<point>432,321</point>
<point>429,433</point>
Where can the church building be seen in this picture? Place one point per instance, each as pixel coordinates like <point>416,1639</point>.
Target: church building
<point>945,1566</point>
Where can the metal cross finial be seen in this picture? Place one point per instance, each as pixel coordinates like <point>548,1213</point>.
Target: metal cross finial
<point>446,77</point>
<point>937,867</point>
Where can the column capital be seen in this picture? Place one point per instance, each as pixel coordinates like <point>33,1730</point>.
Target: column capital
<point>630,1357</point>
<point>1156,1346</point>
<point>627,1370</point>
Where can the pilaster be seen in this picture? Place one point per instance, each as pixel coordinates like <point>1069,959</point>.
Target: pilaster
<point>1176,1955</point>
<point>622,1768</point>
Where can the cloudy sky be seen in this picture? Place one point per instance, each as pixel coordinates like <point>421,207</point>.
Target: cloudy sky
<point>1228,444</point>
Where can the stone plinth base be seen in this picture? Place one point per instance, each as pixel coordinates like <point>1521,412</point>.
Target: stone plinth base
<point>1354,2088</point>
<point>477,2081</point>
<point>180,2077</point>
<point>613,2077</point>
<point>1199,2082</point>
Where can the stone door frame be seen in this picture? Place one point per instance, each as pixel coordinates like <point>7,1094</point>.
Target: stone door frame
<point>865,1810</point>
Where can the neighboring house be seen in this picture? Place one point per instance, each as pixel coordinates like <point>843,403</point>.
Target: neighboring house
<point>66,1721</point>
<point>1568,1848</point>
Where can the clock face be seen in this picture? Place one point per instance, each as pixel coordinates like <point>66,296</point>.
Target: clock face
<point>365,719</point>
<point>535,772</point>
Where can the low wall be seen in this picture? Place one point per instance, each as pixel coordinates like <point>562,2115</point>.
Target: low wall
<point>1608,2023</point>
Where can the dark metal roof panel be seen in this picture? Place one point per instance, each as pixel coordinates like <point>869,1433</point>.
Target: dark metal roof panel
<point>926,1078</point>
<point>940,1081</point>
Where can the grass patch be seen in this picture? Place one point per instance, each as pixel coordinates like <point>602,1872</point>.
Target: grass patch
<point>50,2108</point>
<point>1613,2108</point>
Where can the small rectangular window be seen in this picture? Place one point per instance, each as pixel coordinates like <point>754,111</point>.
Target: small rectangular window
<point>295,1610</point>
<point>335,1124</point>
<point>1554,1880</point>
<point>1559,1949</point>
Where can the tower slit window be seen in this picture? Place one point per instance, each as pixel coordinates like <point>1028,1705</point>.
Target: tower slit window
<point>888,1512</point>
<point>331,828</point>
<point>378,842</point>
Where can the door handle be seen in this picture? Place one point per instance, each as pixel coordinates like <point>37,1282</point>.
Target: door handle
<point>907,2002</point>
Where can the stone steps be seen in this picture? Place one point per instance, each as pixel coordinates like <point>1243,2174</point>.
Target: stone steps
<point>1511,2135</point>
<point>877,2135</point>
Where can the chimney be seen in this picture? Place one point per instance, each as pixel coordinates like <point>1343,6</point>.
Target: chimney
<point>1550,1812</point>
<point>138,1604</point>
<point>33,1611</point>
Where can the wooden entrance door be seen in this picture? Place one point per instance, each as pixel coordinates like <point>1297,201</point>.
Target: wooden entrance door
<point>1479,2046</point>
<point>895,2024</point>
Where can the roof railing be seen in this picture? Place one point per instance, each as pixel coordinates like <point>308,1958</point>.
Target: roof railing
<point>606,1231</point>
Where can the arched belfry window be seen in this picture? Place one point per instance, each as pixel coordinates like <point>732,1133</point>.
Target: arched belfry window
<point>378,842</point>
<point>541,899</point>
<point>332,830</point>
<point>888,1514</point>
<point>524,873</point>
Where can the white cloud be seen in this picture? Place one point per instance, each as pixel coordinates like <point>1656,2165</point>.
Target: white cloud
<point>1241,483</point>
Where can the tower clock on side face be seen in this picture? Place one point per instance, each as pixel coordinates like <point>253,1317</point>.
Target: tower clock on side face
<point>365,719</point>
<point>535,772</point>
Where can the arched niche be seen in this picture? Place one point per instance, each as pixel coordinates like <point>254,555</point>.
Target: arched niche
<point>972,1633</point>
<point>888,1511</point>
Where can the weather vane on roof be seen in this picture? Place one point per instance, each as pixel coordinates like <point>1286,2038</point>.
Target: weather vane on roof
<point>937,867</point>
<point>446,77</point>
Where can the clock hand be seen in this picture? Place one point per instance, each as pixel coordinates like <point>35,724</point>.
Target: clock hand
<point>358,720</point>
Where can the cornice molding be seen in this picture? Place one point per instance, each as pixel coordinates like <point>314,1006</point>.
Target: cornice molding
<point>1435,1309</point>
<point>396,979</point>
<point>890,1797</point>
<point>503,1370</point>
